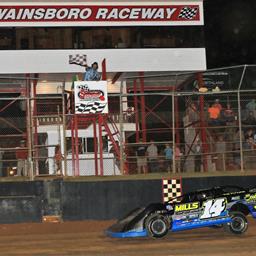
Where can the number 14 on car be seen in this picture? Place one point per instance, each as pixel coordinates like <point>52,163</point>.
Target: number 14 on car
<point>213,208</point>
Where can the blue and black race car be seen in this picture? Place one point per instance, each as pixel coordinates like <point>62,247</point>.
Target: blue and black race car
<point>225,207</point>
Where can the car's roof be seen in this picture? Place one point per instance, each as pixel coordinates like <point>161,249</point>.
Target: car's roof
<point>217,189</point>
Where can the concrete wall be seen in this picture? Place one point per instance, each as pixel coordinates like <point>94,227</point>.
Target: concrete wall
<point>107,200</point>
<point>29,201</point>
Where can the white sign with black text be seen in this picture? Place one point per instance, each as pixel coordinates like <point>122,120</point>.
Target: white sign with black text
<point>91,97</point>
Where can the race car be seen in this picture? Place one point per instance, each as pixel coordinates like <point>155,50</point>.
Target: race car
<point>225,206</point>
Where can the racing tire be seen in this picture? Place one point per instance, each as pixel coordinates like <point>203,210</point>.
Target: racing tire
<point>157,225</point>
<point>238,225</point>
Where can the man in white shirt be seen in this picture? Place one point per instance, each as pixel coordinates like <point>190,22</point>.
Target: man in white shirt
<point>152,154</point>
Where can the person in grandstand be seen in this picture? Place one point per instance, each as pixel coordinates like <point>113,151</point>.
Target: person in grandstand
<point>198,156</point>
<point>249,134</point>
<point>250,121</point>
<point>92,73</point>
<point>141,158</point>
<point>251,106</point>
<point>229,115</point>
<point>220,154</point>
<point>178,158</point>
<point>214,114</point>
<point>217,104</point>
<point>168,157</point>
<point>58,160</point>
<point>43,160</point>
<point>116,157</point>
<point>22,156</point>
<point>152,153</point>
<point>249,152</point>
<point>192,113</point>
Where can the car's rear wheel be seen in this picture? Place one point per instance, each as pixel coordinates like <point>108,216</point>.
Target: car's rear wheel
<point>238,225</point>
<point>157,225</point>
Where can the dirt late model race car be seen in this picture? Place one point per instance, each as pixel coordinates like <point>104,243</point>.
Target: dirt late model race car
<point>225,207</point>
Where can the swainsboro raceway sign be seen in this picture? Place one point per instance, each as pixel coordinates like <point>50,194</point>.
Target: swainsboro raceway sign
<point>91,97</point>
<point>77,14</point>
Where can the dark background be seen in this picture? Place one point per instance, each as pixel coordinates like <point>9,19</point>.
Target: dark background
<point>230,32</point>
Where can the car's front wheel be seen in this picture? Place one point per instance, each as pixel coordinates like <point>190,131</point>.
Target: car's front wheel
<point>238,224</point>
<point>157,225</point>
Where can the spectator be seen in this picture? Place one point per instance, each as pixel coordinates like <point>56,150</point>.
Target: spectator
<point>228,114</point>
<point>220,152</point>
<point>250,120</point>
<point>249,153</point>
<point>192,113</point>
<point>92,73</point>
<point>58,160</point>
<point>43,159</point>
<point>217,104</point>
<point>182,160</point>
<point>115,153</point>
<point>236,156</point>
<point>152,153</point>
<point>214,114</point>
<point>177,158</point>
<point>141,158</point>
<point>161,160</point>
<point>237,138</point>
<point>198,155</point>
<point>251,106</point>
<point>22,156</point>
<point>252,143</point>
<point>249,135</point>
<point>168,157</point>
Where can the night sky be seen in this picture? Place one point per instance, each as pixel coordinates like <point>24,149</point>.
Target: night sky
<point>230,32</point>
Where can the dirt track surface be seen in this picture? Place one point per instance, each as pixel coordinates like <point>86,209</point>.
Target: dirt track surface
<point>87,238</point>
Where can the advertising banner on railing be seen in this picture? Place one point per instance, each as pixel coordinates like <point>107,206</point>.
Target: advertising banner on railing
<point>118,14</point>
<point>91,97</point>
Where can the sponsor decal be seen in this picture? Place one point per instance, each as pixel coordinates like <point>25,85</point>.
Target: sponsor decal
<point>86,94</point>
<point>235,198</point>
<point>101,13</point>
<point>91,97</point>
<point>234,193</point>
<point>214,208</point>
<point>250,198</point>
<point>186,207</point>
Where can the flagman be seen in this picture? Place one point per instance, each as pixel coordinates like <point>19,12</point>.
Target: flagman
<point>92,73</point>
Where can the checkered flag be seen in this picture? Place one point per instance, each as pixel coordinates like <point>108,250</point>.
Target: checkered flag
<point>78,59</point>
<point>171,188</point>
<point>188,13</point>
<point>90,108</point>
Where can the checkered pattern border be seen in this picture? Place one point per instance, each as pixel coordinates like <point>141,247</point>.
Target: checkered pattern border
<point>171,188</point>
<point>90,108</point>
<point>188,13</point>
<point>78,59</point>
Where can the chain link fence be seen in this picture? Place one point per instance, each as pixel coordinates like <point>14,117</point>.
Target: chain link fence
<point>193,122</point>
<point>157,123</point>
<point>14,149</point>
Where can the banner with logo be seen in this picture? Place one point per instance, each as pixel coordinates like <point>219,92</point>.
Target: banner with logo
<point>214,79</point>
<point>77,14</point>
<point>91,97</point>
